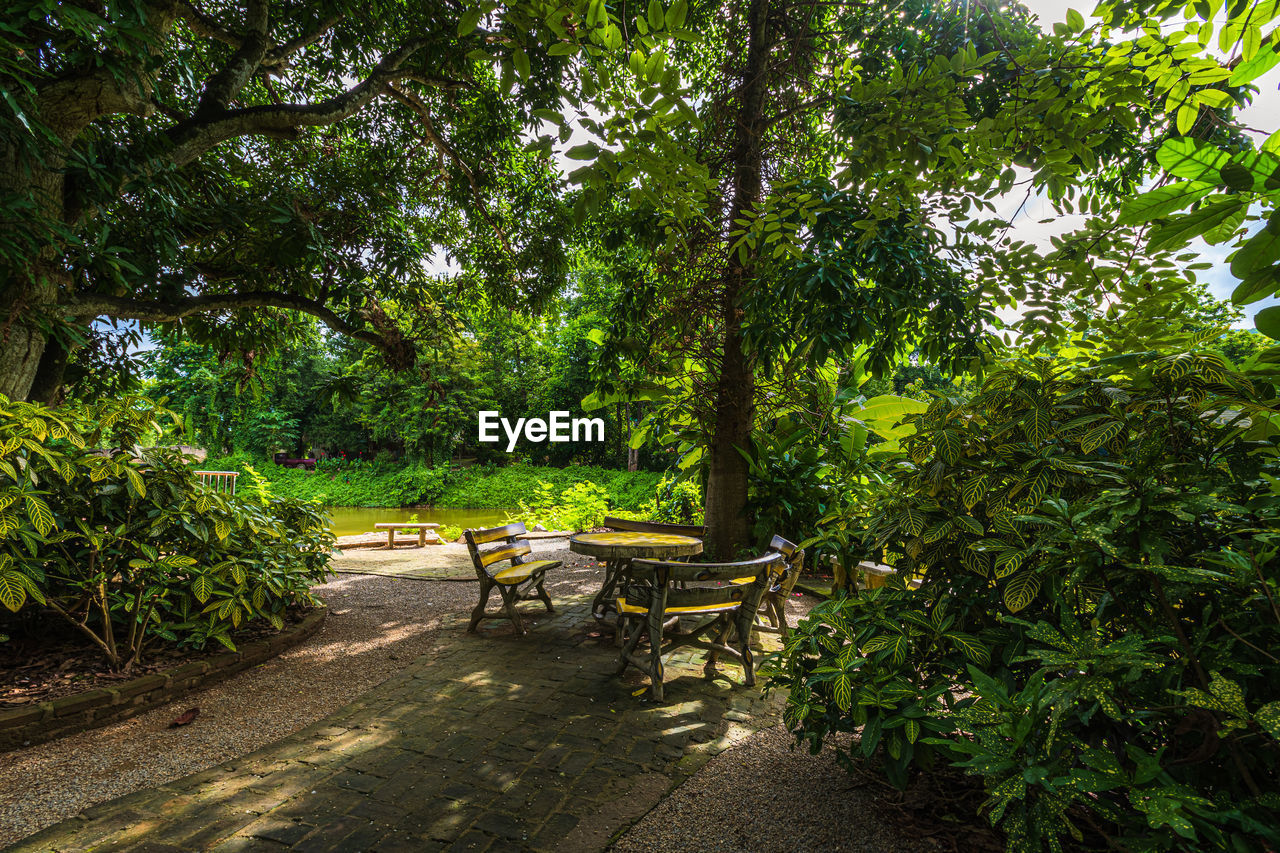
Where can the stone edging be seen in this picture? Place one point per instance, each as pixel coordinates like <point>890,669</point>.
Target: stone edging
<point>66,715</point>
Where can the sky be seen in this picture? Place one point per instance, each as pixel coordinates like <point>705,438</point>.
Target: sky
<point>1263,114</point>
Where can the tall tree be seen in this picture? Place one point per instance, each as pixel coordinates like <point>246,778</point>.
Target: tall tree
<point>218,165</point>
<point>825,172</point>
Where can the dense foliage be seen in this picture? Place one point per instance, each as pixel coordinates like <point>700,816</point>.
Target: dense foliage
<point>1095,624</point>
<point>322,394</point>
<point>391,483</point>
<point>216,171</point>
<point>124,544</point>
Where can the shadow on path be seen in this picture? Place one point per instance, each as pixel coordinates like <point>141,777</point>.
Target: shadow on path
<point>486,742</point>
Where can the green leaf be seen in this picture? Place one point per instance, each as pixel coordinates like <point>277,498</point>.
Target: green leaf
<point>1100,435</point>
<point>656,16</point>
<point>973,490</point>
<point>1038,425</point>
<point>1262,249</point>
<point>1163,201</point>
<point>1262,62</point>
<point>40,514</point>
<point>585,151</point>
<point>1187,115</point>
<point>1180,230</point>
<point>13,590</point>
<point>1259,284</point>
<point>949,446</point>
<point>1075,20</point>
<point>1267,321</point>
<point>202,588</point>
<point>1020,590</point>
<point>1268,718</point>
<point>1191,159</point>
<point>521,61</point>
<point>469,21</point>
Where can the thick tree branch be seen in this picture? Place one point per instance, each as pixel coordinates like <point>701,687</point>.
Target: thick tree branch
<point>90,306</point>
<point>192,138</point>
<point>70,103</point>
<point>282,53</point>
<point>227,83</point>
<point>203,25</point>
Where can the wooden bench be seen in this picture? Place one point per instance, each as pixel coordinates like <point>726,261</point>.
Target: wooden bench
<point>652,601</point>
<point>521,581</point>
<point>421,527</point>
<point>627,524</point>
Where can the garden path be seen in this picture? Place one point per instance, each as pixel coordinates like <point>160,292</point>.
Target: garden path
<point>486,742</point>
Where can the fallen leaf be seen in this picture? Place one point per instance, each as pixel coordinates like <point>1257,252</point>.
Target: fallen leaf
<point>185,719</point>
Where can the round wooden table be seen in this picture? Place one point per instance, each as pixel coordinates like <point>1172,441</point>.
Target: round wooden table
<point>618,549</point>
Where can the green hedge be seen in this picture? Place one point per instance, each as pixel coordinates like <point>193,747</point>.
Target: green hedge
<point>484,486</point>
<point>480,486</point>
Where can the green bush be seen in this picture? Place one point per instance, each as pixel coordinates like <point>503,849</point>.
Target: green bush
<point>678,501</point>
<point>358,483</point>
<point>125,545</point>
<point>1095,629</point>
<point>582,506</point>
<point>487,486</point>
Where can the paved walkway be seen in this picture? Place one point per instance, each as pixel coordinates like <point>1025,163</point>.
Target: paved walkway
<point>487,742</point>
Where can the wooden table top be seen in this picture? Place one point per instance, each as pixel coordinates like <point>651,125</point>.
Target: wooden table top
<point>623,544</point>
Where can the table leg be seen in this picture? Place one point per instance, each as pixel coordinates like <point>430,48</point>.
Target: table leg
<point>422,537</point>
<point>391,539</point>
<point>603,602</point>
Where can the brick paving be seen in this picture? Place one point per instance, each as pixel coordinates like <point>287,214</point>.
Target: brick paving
<point>486,742</point>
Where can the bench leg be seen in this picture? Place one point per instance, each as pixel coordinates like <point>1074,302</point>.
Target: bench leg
<point>422,537</point>
<point>509,598</point>
<point>478,613</point>
<point>391,540</point>
<point>542,593</point>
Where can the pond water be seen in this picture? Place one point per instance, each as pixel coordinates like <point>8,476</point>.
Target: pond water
<point>356,519</point>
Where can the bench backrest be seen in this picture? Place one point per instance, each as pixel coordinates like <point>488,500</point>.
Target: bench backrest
<point>654,579</point>
<point>632,526</point>
<point>508,547</point>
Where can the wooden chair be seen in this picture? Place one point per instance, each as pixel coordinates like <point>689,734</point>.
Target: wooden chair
<point>520,581</point>
<point>696,531</point>
<point>651,601</point>
<point>773,606</point>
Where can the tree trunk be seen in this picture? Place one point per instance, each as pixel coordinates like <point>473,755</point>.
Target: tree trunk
<point>726,517</point>
<point>633,453</point>
<point>21,347</point>
<point>728,528</point>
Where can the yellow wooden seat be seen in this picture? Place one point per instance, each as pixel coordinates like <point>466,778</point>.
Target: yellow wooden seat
<point>688,610</point>
<point>523,571</point>
<point>521,581</point>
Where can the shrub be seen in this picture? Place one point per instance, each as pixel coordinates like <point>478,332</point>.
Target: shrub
<point>582,506</point>
<point>678,501</point>
<point>1095,628</point>
<point>126,545</point>
<point>486,486</point>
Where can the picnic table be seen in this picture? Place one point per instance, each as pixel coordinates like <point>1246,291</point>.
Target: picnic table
<point>421,526</point>
<point>618,548</point>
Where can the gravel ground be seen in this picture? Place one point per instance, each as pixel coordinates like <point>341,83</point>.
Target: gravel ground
<point>763,797</point>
